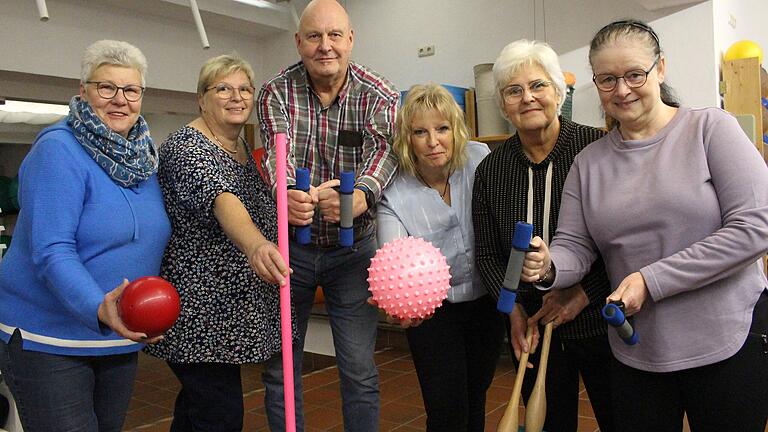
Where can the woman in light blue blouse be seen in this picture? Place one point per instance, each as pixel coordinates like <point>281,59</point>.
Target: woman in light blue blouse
<point>455,351</point>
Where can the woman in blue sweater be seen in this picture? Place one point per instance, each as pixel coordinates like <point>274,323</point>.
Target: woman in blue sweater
<point>92,217</point>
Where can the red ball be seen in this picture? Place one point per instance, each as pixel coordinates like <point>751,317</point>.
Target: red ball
<point>150,305</point>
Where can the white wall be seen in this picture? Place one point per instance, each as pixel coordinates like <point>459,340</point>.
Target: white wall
<point>55,47</point>
<point>748,23</point>
<point>388,34</point>
<point>466,33</point>
<point>687,39</point>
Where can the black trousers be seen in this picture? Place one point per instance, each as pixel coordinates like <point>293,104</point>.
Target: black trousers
<point>211,398</point>
<point>730,395</point>
<point>590,357</point>
<point>455,354</point>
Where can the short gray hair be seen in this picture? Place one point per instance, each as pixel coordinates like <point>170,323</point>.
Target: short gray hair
<point>521,53</point>
<point>115,53</point>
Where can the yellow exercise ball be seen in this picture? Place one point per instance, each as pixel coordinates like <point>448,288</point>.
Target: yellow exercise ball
<point>744,49</point>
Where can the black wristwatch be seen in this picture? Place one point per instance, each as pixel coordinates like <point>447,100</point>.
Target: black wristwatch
<point>370,198</point>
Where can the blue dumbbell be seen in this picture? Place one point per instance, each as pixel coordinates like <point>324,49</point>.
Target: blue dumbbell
<point>521,242</point>
<point>303,233</point>
<point>613,312</point>
<point>346,224</point>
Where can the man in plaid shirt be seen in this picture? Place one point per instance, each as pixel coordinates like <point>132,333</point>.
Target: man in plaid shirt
<point>337,116</point>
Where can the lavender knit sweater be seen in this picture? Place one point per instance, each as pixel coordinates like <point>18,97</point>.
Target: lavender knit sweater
<point>688,209</point>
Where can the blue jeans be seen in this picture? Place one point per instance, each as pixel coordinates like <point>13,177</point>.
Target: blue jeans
<point>343,273</point>
<point>68,393</point>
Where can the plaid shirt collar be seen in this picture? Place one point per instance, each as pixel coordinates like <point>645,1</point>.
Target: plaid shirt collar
<point>345,88</point>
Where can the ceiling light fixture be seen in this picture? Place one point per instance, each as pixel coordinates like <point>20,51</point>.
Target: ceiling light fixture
<point>31,112</point>
<point>199,23</point>
<point>262,4</point>
<point>42,9</point>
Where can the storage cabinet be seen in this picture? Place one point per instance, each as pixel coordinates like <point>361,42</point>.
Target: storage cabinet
<point>470,113</point>
<point>740,88</point>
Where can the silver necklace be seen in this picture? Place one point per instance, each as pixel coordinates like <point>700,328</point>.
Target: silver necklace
<point>218,141</point>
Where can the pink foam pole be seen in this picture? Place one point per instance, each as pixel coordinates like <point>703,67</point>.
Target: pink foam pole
<point>285,290</point>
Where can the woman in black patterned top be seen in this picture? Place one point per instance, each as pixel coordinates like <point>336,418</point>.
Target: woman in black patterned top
<point>221,256</point>
<point>522,180</point>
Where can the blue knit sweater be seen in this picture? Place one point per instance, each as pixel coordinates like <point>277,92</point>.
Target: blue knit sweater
<point>77,236</point>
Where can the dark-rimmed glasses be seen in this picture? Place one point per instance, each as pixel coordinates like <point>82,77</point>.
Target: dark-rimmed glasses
<point>514,93</point>
<point>225,91</point>
<point>633,79</point>
<point>108,90</point>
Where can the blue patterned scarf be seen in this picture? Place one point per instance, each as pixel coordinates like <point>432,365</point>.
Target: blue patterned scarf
<point>129,161</point>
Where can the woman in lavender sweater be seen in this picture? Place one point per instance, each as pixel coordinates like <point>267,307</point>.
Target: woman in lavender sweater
<point>675,200</point>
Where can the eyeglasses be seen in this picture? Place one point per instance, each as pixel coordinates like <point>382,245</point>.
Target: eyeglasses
<point>514,94</point>
<point>634,78</point>
<point>225,91</point>
<point>108,90</point>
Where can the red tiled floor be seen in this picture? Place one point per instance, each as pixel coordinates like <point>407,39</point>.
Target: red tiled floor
<point>402,409</point>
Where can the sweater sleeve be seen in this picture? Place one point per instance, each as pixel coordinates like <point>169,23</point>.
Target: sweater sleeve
<point>53,188</point>
<point>572,250</point>
<point>739,177</point>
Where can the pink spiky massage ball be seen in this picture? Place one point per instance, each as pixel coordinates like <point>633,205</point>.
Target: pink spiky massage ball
<point>409,278</point>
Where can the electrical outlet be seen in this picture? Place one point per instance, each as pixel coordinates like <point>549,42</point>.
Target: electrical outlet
<point>426,51</point>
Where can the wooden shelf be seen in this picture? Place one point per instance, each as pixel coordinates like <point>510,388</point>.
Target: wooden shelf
<point>471,118</point>
<point>741,95</point>
<point>491,138</point>
<point>741,92</point>
<point>492,141</point>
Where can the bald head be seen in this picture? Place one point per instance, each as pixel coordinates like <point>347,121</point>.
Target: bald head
<point>324,9</point>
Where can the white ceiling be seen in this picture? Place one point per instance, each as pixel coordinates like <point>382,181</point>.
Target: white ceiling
<point>229,15</point>
<point>653,5</point>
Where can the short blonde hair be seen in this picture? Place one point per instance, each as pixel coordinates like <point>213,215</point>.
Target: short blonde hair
<point>522,53</point>
<point>222,65</point>
<point>420,99</point>
<point>114,53</point>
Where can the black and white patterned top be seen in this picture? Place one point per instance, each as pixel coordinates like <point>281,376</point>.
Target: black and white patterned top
<point>228,314</point>
<point>499,199</point>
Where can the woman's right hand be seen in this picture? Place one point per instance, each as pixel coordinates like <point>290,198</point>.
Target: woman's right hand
<point>266,261</point>
<point>109,316</point>
<point>537,262</point>
<point>519,323</point>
